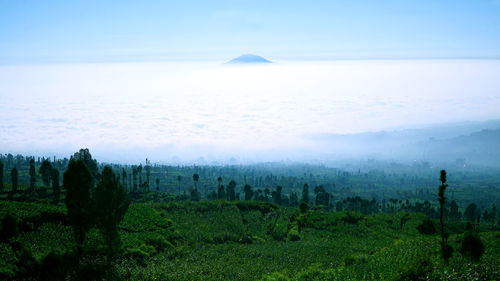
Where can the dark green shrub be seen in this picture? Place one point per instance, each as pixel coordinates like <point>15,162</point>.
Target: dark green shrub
<point>303,207</point>
<point>56,265</point>
<point>8,227</point>
<point>426,227</point>
<point>352,217</point>
<point>26,264</point>
<point>418,269</point>
<point>472,246</point>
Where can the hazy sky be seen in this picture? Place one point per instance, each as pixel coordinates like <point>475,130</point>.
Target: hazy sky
<point>33,31</point>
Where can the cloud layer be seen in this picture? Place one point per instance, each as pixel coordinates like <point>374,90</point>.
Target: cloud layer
<point>126,111</point>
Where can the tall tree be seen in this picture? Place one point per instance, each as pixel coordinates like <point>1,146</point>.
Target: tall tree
<point>139,171</point>
<point>294,199</point>
<point>56,190</point>
<point>196,177</point>
<point>77,181</point>
<point>322,197</point>
<point>179,178</point>
<point>134,178</point>
<point>46,171</point>
<point>14,178</point>
<point>195,195</point>
<point>1,175</point>
<point>454,212</point>
<point>247,189</point>
<point>157,185</point>
<point>86,157</point>
<point>124,177</point>
<point>231,190</point>
<point>32,174</point>
<point>220,192</point>
<point>148,173</point>
<point>471,212</point>
<point>445,249</point>
<point>305,194</point>
<point>111,204</point>
<point>277,195</point>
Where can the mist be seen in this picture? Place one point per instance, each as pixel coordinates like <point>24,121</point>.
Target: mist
<point>190,112</point>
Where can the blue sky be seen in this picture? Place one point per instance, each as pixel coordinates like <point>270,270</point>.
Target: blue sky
<point>104,30</point>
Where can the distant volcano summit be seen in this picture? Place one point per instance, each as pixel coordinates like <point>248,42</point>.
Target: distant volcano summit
<point>249,58</point>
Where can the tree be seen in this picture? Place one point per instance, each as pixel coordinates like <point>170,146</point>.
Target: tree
<point>134,178</point>
<point>472,246</point>
<point>1,175</point>
<point>139,171</point>
<point>56,190</point>
<point>195,195</point>
<point>454,213</point>
<point>111,204</point>
<point>13,175</point>
<point>294,199</point>
<point>221,194</point>
<point>305,193</point>
<point>247,189</point>
<point>46,171</point>
<point>196,177</point>
<point>148,173</point>
<point>157,185</point>
<point>124,178</point>
<point>179,178</point>
<point>77,181</point>
<point>220,189</point>
<point>322,197</point>
<point>231,190</point>
<point>267,192</point>
<point>86,157</point>
<point>276,195</point>
<point>32,174</point>
<point>446,250</point>
<point>471,212</point>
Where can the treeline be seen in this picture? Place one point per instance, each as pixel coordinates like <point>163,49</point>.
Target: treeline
<point>326,188</point>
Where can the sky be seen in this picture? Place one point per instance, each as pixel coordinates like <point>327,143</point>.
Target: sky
<point>49,31</point>
<point>137,79</point>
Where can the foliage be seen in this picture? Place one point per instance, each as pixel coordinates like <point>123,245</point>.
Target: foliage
<point>472,246</point>
<point>77,181</point>
<point>426,227</point>
<point>110,204</point>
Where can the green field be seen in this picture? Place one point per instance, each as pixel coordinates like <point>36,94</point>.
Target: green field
<point>244,240</point>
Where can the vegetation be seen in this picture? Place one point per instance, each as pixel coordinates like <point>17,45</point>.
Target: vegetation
<point>112,226</point>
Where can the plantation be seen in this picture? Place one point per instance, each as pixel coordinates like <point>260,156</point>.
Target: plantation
<point>101,225</point>
<point>222,240</point>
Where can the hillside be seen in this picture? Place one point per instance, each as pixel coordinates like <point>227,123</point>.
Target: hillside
<point>222,240</point>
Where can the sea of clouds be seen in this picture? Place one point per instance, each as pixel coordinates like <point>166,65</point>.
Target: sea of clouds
<point>186,110</point>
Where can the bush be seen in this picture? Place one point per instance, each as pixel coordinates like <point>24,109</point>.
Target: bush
<point>472,246</point>
<point>426,227</point>
<point>8,227</point>
<point>56,265</point>
<point>418,269</point>
<point>303,207</point>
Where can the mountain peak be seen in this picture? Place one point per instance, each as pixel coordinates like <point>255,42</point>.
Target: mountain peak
<point>249,58</point>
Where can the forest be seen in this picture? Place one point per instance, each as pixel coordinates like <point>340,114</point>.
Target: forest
<point>79,219</point>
